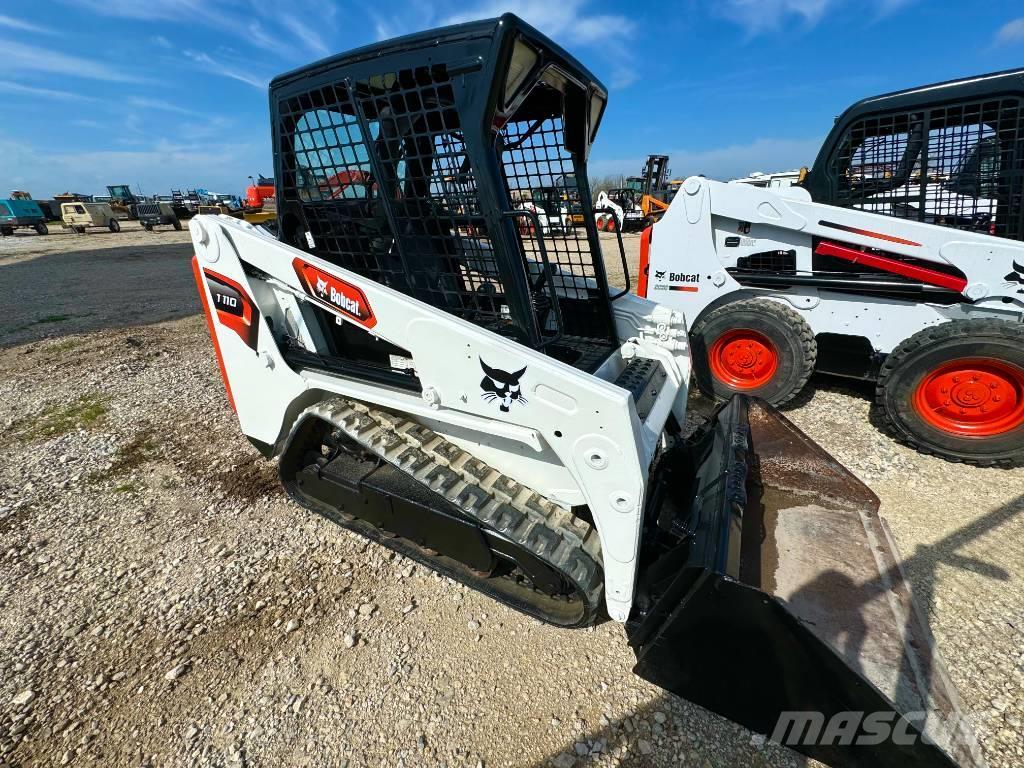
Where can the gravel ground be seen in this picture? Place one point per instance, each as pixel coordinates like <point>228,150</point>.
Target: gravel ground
<point>162,604</point>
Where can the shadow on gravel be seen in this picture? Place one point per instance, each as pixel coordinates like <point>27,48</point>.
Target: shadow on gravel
<point>681,740</point>
<point>82,291</point>
<point>635,732</point>
<point>865,390</point>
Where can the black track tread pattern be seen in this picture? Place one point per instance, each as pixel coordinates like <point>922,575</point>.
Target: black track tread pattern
<point>552,533</point>
<point>954,329</point>
<point>803,332</point>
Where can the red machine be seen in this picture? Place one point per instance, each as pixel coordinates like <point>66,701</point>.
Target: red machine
<point>257,193</point>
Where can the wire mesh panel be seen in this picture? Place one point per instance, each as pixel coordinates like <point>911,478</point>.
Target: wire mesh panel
<point>378,168</point>
<point>959,166</point>
<point>542,178</point>
<point>386,188</point>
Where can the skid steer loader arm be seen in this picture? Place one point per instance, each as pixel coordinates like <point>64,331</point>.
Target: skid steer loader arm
<point>774,596</point>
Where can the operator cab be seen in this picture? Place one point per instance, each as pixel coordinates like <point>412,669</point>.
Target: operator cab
<point>950,154</point>
<point>414,175</point>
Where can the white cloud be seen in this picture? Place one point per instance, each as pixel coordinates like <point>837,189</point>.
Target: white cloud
<point>160,104</point>
<point>23,26</point>
<point>139,11</point>
<point>256,34</point>
<point>722,162</point>
<point>1011,32</point>
<point>761,16</point>
<point>6,86</point>
<point>307,35</point>
<point>889,7</point>
<point>623,77</point>
<point>163,42</point>
<point>216,16</point>
<point>224,70</point>
<point>22,57</point>
<point>567,21</point>
<point>757,16</point>
<point>211,127</point>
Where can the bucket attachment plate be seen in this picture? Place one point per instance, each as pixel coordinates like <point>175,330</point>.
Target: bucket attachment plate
<point>772,593</point>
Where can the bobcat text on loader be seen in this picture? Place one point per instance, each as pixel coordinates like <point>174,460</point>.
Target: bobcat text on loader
<point>468,392</point>
<point>900,262</point>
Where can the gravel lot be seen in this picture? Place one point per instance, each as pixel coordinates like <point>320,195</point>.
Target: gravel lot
<point>162,604</point>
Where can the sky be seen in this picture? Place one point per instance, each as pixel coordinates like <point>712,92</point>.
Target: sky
<point>168,94</point>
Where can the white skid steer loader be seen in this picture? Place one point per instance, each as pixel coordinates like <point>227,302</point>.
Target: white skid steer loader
<point>466,391</point>
<point>901,262</point>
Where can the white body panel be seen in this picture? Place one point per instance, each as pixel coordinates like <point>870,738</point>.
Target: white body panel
<point>577,439</point>
<point>690,256</point>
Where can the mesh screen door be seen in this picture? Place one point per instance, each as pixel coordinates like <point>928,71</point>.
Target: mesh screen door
<point>387,190</point>
<point>958,166</point>
<point>379,168</point>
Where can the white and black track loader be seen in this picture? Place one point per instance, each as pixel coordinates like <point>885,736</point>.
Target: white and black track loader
<point>466,391</point>
<point>900,262</point>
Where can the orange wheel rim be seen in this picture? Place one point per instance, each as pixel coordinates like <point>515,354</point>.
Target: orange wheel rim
<point>743,359</point>
<point>972,397</point>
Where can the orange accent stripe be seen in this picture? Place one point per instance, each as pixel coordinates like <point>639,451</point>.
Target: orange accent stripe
<point>645,262</point>
<point>687,288</point>
<point>201,285</point>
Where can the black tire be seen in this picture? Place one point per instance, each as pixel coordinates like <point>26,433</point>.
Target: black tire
<point>115,225</point>
<point>42,229</point>
<point>80,230</point>
<point>177,225</point>
<point>148,226</point>
<point>912,374</point>
<point>790,340</point>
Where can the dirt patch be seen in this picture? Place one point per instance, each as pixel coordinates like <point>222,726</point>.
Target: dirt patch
<point>143,447</point>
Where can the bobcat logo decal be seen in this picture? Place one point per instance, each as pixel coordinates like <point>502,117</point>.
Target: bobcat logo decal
<point>501,386</point>
<point>1016,276</point>
<point>659,275</point>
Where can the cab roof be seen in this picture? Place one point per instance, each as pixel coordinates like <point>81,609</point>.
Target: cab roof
<point>497,29</point>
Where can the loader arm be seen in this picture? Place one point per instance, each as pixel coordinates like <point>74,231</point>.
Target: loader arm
<point>721,241</point>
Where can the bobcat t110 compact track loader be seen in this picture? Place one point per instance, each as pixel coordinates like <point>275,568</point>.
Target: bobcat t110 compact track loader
<point>465,390</point>
<point>901,262</point>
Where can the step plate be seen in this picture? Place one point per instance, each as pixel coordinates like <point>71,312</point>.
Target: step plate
<point>643,378</point>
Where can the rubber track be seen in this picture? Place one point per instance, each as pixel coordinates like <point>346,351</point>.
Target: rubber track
<point>951,330</point>
<point>552,533</point>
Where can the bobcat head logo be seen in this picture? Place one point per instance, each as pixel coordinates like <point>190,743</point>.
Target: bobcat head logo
<point>501,386</point>
<point>321,286</point>
<point>1016,276</point>
<point>659,275</point>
